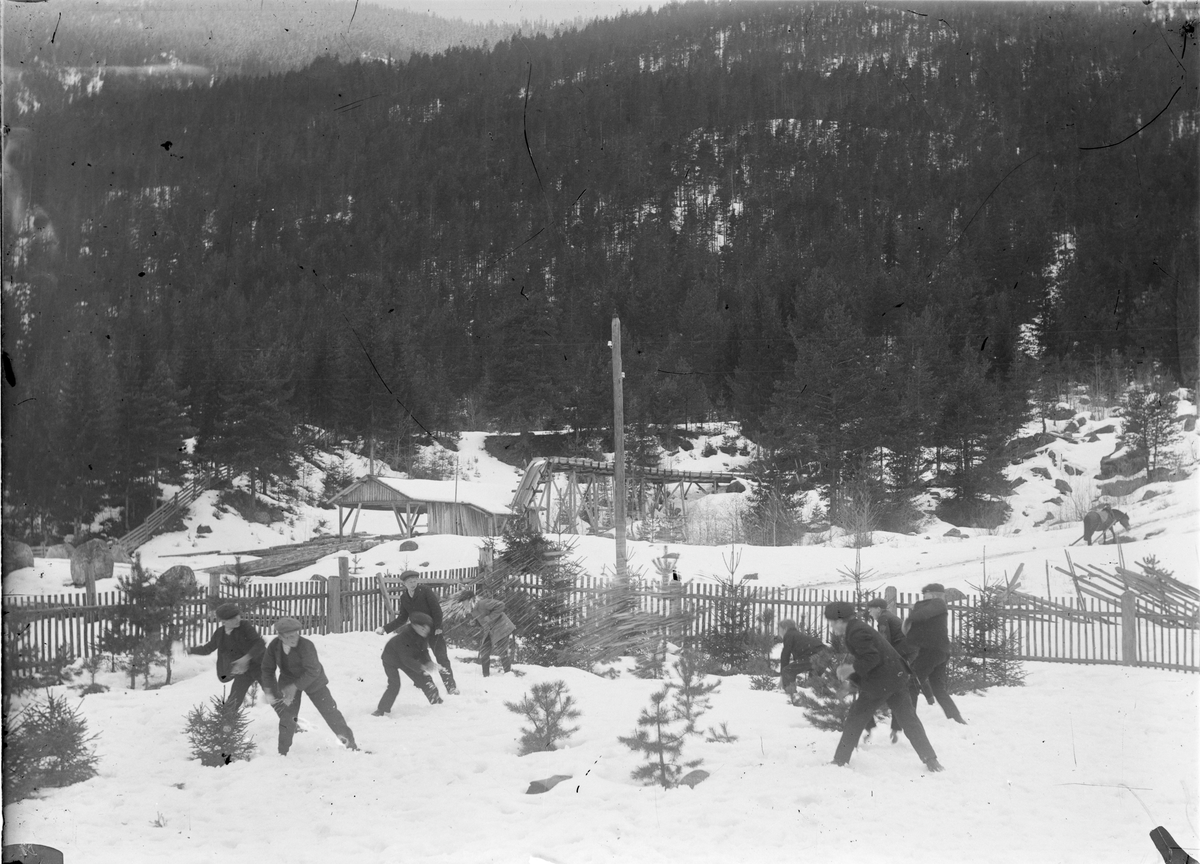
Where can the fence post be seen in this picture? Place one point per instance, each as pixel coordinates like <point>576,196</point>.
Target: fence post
<point>1129,634</point>
<point>333,588</point>
<point>889,594</point>
<point>214,588</point>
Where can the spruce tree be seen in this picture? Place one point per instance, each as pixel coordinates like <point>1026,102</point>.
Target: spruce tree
<point>254,432</point>
<point>1150,425</point>
<point>218,734</point>
<point>46,745</point>
<point>729,642</point>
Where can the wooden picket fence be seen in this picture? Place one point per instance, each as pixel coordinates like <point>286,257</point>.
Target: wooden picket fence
<point>40,629</point>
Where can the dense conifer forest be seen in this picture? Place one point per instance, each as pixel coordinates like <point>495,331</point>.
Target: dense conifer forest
<point>866,233</point>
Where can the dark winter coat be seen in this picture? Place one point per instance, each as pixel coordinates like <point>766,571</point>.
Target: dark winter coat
<point>423,599</point>
<point>890,626</point>
<point>244,640</point>
<point>299,667</point>
<point>408,649</point>
<point>489,614</point>
<point>879,670</point>
<point>798,647</point>
<point>928,626</point>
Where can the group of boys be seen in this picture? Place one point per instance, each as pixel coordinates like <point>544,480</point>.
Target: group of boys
<point>890,665</point>
<point>289,666</point>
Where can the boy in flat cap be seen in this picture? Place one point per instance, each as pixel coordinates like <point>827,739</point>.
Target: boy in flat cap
<point>408,650</point>
<point>239,650</point>
<point>927,630</point>
<point>421,598</point>
<point>797,656</point>
<point>497,629</point>
<point>881,676</point>
<point>290,667</point>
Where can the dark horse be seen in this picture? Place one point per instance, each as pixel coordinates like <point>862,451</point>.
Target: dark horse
<point>1103,521</point>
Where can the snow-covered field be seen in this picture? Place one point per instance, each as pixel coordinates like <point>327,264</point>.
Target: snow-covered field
<point>1078,765</point>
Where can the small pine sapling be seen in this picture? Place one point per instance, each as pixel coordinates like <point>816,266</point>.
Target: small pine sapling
<point>1154,569</point>
<point>651,662</point>
<point>547,706</point>
<point>218,734</point>
<point>658,742</point>
<point>691,690</point>
<point>762,682</point>
<point>720,736</point>
<point>92,666</point>
<point>46,745</point>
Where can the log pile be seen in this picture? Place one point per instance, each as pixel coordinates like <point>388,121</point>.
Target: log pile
<point>280,560</point>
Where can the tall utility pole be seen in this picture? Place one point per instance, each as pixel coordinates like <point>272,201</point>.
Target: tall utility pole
<point>619,450</point>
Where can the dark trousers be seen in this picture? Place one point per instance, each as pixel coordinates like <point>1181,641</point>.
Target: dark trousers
<point>388,699</point>
<point>929,669</point>
<point>862,714</point>
<point>503,649</point>
<point>322,699</point>
<point>789,673</point>
<point>438,643</point>
<point>239,688</point>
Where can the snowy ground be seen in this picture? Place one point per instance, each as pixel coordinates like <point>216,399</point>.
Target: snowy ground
<point>1077,766</point>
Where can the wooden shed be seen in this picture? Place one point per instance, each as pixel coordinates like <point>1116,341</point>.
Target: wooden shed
<point>449,507</point>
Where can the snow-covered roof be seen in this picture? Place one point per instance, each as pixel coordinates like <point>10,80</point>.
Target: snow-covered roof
<point>490,497</point>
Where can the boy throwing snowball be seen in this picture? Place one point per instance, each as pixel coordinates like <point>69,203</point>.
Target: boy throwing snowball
<point>408,651</point>
<point>239,650</point>
<point>290,668</point>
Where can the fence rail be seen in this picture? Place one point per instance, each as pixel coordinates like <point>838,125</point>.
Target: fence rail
<point>181,499</point>
<point>39,630</point>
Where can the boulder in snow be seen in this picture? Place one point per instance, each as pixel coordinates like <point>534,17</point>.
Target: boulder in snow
<point>1189,423</point>
<point>16,556</point>
<point>94,559</point>
<point>1121,463</point>
<point>203,529</point>
<point>181,573</point>
<point>408,546</point>
<point>1068,468</point>
<point>691,778</point>
<point>60,550</point>
<point>1105,429</point>
<point>1062,486</point>
<point>1039,471</point>
<point>736,486</point>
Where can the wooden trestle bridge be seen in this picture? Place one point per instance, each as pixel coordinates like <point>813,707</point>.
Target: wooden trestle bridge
<point>558,492</point>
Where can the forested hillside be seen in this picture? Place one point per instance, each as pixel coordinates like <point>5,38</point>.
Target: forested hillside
<point>50,41</point>
<point>848,226</point>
